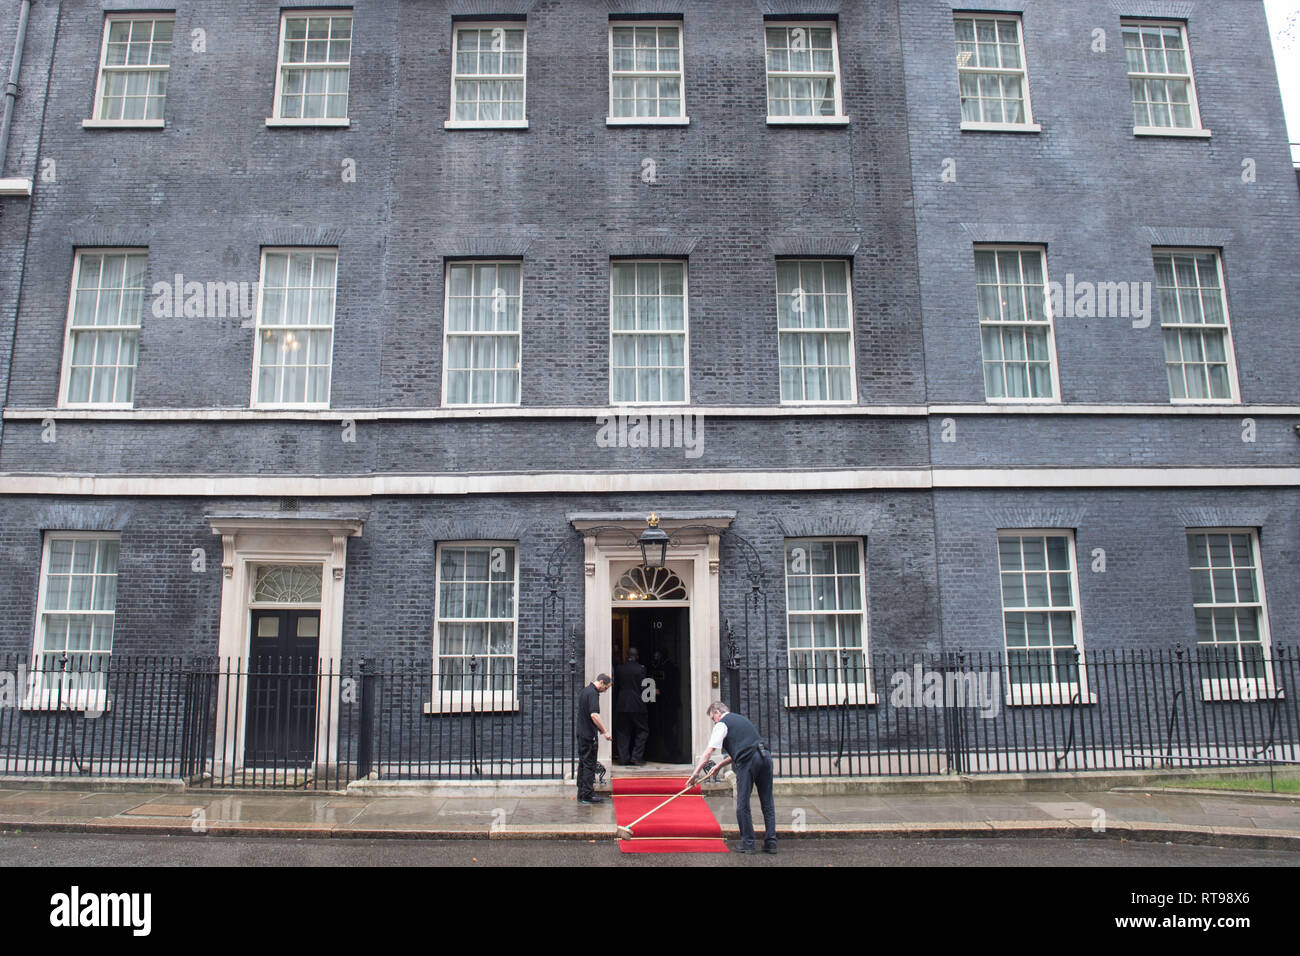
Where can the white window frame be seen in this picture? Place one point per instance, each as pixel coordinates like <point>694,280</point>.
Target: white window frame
<point>1029,693</point>
<point>294,13</point>
<point>1241,688</point>
<point>781,330</point>
<point>1055,397</point>
<point>828,695</point>
<point>456,27</point>
<point>685,332</point>
<point>95,122</point>
<point>447,332</point>
<point>1196,130</point>
<point>1028,126</point>
<point>452,702</point>
<point>38,693</point>
<point>680,120</point>
<point>65,382</point>
<point>840,118</point>
<point>1230,351</point>
<point>254,402</point>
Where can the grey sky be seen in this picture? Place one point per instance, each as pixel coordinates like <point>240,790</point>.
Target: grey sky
<point>1284,22</point>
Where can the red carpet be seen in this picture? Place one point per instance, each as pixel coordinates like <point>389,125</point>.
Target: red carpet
<point>686,825</point>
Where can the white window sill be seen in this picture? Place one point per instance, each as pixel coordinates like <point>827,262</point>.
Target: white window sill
<point>807,121</point>
<point>847,403</point>
<point>48,702</point>
<point>304,407</point>
<point>1171,131</point>
<point>829,695</point>
<point>323,121</point>
<point>647,121</point>
<point>1203,401</point>
<point>485,124</point>
<point>88,406</point>
<point>1247,690</point>
<point>16,186</point>
<point>648,408</point>
<point>1012,400</point>
<point>489,405</point>
<point>122,124</point>
<point>489,702</point>
<point>967,126</point>
<point>1048,695</point>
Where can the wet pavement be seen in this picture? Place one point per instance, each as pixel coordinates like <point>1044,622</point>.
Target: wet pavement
<point>550,812</point>
<point>129,850</point>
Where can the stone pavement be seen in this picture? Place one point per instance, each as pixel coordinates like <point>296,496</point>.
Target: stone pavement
<point>550,811</point>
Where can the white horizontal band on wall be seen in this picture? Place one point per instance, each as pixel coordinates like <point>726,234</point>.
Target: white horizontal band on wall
<point>708,411</point>
<point>366,486</point>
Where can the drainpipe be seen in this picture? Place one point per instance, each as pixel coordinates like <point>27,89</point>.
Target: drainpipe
<point>11,88</point>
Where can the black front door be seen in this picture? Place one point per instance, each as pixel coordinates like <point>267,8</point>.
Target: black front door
<point>662,638</point>
<point>282,676</point>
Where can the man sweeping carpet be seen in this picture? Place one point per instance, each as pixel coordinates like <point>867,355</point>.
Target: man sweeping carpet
<point>739,739</point>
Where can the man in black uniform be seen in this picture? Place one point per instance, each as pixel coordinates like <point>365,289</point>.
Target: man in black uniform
<point>633,715</point>
<point>588,723</point>
<point>739,740</point>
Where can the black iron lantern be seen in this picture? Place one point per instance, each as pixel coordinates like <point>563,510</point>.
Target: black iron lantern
<point>652,538</point>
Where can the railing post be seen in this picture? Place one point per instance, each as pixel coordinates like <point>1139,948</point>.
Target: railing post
<point>732,667</point>
<point>842,705</point>
<point>1178,667</point>
<point>1071,707</point>
<point>1274,686</point>
<point>571,707</point>
<point>955,735</point>
<point>187,724</point>
<point>58,714</point>
<point>473,718</point>
<point>365,722</point>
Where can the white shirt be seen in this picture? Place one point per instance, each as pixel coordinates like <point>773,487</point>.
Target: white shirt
<point>718,736</point>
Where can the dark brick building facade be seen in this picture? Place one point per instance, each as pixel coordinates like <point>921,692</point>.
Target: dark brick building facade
<point>917,466</point>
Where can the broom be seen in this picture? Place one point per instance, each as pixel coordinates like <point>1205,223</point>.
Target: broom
<point>689,786</point>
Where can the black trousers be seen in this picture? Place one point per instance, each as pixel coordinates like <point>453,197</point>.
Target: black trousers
<point>587,767</point>
<point>627,724</point>
<point>755,771</point>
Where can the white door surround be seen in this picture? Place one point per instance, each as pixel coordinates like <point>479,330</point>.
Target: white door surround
<point>248,541</point>
<point>694,556</point>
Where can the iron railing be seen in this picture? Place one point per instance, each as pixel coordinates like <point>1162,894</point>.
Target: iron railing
<point>488,721</point>
<point>980,713</point>
<point>284,723</point>
<point>320,724</point>
<point>68,716</point>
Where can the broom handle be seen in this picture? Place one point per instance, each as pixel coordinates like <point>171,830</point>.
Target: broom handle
<point>690,786</point>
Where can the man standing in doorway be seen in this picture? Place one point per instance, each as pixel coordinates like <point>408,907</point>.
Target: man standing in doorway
<point>588,723</point>
<point>633,716</point>
<point>739,740</point>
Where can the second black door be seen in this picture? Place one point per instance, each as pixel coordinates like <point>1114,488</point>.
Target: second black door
<point>282,677</point>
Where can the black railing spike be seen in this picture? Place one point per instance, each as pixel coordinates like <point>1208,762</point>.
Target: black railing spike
<point>733,647</point>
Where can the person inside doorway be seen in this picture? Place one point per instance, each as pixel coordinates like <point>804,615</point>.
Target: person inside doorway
<point>633,721</point>
<point>665,722</point>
